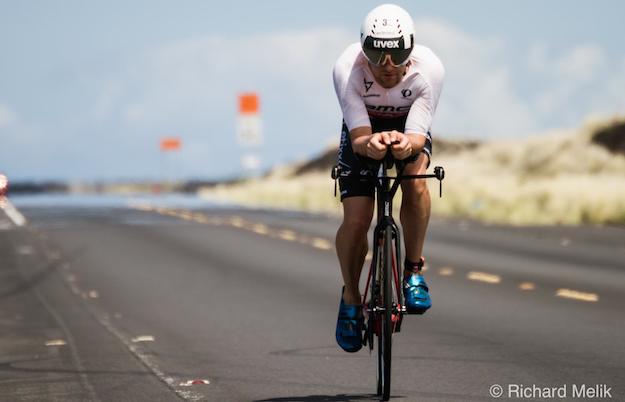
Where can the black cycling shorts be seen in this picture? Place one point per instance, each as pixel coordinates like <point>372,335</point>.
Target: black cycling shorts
<point>351,162</point>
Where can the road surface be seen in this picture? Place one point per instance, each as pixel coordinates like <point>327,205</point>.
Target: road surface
<point>150,300</point>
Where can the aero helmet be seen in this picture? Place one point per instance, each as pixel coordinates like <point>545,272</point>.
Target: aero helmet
<point>387,31</point>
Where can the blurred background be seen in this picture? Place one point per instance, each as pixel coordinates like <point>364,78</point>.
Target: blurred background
<point>88,92</point>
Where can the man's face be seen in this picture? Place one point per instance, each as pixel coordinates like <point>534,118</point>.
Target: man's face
<point>386,74</point>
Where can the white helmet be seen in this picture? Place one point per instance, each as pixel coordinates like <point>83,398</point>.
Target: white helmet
<point>387,31</point>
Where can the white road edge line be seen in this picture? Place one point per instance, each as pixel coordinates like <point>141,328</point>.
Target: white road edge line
<point>12,212</point>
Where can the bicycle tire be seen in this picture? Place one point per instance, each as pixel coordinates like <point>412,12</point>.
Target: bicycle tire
<point>385,341</point>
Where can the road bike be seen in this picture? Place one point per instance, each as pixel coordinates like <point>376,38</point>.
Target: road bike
<point>385,309</point>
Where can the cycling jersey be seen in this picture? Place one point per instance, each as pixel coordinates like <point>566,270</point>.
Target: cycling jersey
<point>407,107</point>
<point>413,100</point>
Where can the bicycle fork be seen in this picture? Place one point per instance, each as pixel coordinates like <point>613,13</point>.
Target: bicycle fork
<point>374,308</point>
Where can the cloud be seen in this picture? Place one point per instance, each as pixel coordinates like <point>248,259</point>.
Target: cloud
<point>479,89</point>
<point>7,116</point>
<point>609,98</point>
<point>564,76</point>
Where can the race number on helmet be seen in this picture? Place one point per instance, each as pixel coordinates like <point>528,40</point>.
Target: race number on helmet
<point>387,32</point>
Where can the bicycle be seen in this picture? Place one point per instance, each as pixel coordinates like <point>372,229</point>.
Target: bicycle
<point>385,309</point>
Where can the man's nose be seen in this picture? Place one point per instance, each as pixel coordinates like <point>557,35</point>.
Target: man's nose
<point>387,63</point>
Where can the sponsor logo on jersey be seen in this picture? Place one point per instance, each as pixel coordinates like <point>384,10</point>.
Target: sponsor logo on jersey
<point>368,85</point>
<point>389,109</point>
<point>385,44</point>
<point>406,92</point>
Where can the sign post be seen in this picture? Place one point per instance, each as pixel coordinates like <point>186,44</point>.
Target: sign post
<point>249,130</point>
<point>167,145</point>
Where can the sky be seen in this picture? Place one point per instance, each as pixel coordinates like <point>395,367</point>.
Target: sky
<point>88,89</point>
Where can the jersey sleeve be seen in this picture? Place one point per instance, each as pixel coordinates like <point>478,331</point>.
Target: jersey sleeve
<point>354,109</point>
<point>422,111</point>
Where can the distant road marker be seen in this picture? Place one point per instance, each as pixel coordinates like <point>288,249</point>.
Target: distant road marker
<point>194,382</point>
<point>321,244</point>
<point>143,338</point>
<point>288,235</point>
<point>483,277</point>
<point>237,222</point>
<point>577,295</point>
<point>446,271</point>
<point>186,215</point>
<point>527,286</point>
<point>56,342</point>
<point>260,229</point>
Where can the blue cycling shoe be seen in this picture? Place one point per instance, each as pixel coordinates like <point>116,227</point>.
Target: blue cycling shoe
<point>416,291</point>
<point>416,294</point>
<point>349,327</point>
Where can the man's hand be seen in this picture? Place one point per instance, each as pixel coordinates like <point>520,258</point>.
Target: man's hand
<point>402,148</point>
<point>378,145</point>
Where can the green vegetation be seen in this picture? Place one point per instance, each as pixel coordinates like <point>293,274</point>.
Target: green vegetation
<point>556,178</point>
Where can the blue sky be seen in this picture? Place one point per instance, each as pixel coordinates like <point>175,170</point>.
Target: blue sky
<point>88,88</point>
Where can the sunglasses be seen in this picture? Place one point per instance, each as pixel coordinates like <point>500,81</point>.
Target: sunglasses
<point>381,51</point>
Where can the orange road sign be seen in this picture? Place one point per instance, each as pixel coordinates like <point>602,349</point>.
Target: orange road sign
<point>249,103</point>
<point>170,144</point>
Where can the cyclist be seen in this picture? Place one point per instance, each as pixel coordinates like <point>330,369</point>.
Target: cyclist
<point>388,89</point>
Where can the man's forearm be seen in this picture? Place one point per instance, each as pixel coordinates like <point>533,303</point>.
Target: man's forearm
<point>417,142</point>
<point>359,144</point>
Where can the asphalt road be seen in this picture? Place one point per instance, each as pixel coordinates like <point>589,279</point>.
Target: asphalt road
<point>152,301</point>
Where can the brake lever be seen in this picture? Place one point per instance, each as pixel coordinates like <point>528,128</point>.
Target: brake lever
<point>439,172</point>
<point>336,171</point>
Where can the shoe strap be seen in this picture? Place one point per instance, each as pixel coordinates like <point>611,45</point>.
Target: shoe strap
<point>416,282</point>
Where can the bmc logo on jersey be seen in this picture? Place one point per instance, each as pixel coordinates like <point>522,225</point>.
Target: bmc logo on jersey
<point>386,44</point>
<point>385,108</point>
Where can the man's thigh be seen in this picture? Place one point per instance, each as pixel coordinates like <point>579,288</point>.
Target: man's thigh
<point>420,166</point>
<point>358,210</point>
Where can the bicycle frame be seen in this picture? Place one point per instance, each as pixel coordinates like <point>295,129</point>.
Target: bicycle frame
<point>386,308</point>
<point>385,192</point>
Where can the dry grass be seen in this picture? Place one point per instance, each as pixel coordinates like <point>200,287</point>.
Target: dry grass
<point>557,178</point>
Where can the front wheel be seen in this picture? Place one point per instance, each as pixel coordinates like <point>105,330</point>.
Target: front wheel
<point>385,337</point>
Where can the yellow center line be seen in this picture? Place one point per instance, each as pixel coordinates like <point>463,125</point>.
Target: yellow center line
<point>321,244</point>
<point>261,229</point>
<point>288,235</point>
<point>324,244</point>
<point>446,271</point>
<point>187,216</point>
<point>577,295</point>
<point>199,218</point>
<point>237,222</point>
<point>56,342</point>
<point>483,277</point>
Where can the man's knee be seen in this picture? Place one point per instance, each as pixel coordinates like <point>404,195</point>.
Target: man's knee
<point>357,216</point>
<point>357,225</point>
<point>416,189</point>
